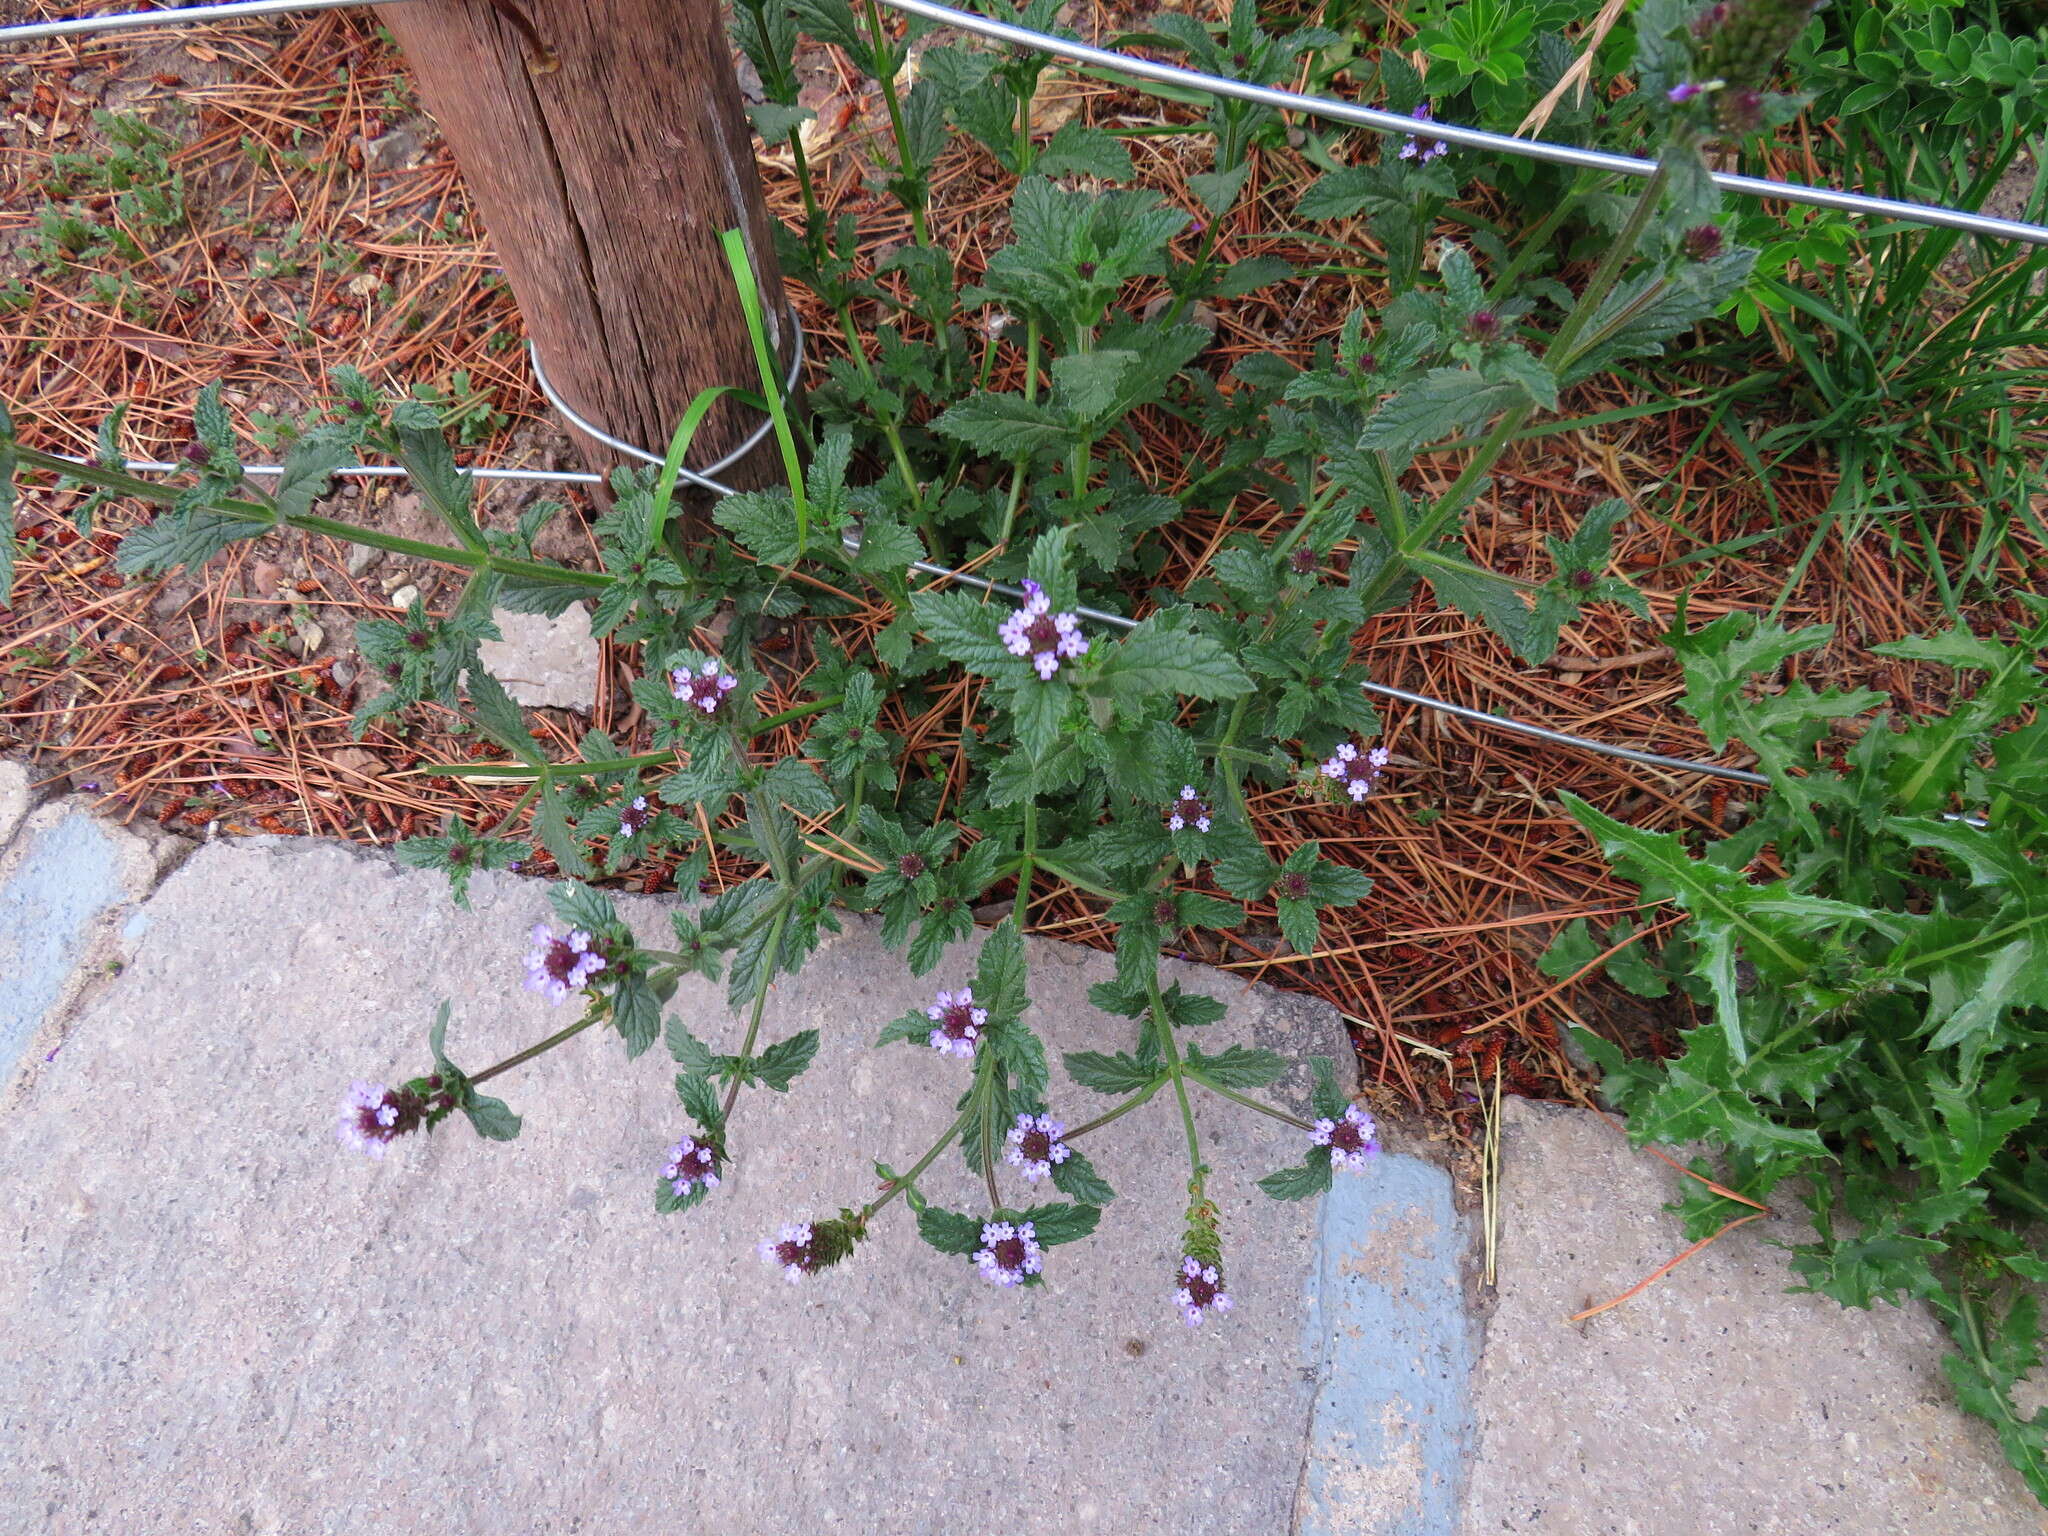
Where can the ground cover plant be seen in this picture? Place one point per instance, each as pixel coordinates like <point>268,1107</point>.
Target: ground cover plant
<point>1000,422</point>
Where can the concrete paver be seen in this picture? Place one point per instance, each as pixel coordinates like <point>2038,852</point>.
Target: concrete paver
<point>1713,1403</point>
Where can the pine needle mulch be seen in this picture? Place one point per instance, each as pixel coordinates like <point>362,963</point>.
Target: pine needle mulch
<point>223,707</point>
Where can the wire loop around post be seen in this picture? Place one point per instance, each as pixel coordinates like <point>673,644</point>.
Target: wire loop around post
<point>697,477</point>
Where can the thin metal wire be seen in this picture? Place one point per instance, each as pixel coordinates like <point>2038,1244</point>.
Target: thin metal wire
<point>699,477</point>
<point>479,472</point>
<point>1452,133</point>
<point>1216,85</point>
<point>36,31</point>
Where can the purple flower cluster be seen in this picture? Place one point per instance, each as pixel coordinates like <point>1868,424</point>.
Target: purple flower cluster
<point>1046,637</point>
<point>957,1022</point>
<point>1357,771</point>
<point>1034,1146</point>
<point>633,818</point>
<point>558,965</point>
<point>706,687</point>
<point>373,1116</point>
<point>795,1251</point>
<point>1201,1291</point>
<point>1420,147</point>
<point>1008,1253</point>
<point>1352,1140</point>
<point>1187,811</point>
<point>691,1163</point>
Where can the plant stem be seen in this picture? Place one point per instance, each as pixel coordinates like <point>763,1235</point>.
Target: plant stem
<point>768,958</point>
<point>255,512</point>
<point>909,1179</point>
<point>1118,1113</point>
<point>532,1051</point>
<point>1251,1103</point>
<point>912,174</point>
<point>1171,1048</point>
<point>1019,909</point>
<point>984,1089</point>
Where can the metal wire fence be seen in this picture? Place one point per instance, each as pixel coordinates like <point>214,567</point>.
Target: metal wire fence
<point>1153,72</point>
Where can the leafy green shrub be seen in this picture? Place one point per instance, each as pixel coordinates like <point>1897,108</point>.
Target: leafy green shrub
<point>1878,1009</point>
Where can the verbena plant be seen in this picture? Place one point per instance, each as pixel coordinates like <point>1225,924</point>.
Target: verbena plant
<point>1879,1007</point>
<point>1113,762</point>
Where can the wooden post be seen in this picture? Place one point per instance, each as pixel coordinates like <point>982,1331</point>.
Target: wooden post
<point>605,146</point>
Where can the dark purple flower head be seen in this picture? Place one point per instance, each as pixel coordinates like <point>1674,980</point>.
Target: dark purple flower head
<point>1292,885</point>
<point>197,452</point>
<point>1483,326</point>
<point>373,1116</point>
<point>1357,771</point>
<point>558,965</point>
<point>1353,1140</point>
<point>1420,147</point>
<point>805,1247</point>
<point>956,1022</point>
<point>1583,580</point>
<point>1009,1253</point>
<point>1034,1146</point>
<point>705,688</point>
<point>1702,242</point>
<point>1086,269</point>
<point>1199,1291</point>
<point>1301,560</point>
<point>1047,638</point>
<point>691,1163</point>
<point>911,865</point>
<point>1188,811</point>
<point>633,818</point>
<point>1165,913</point>
<point>794,1251</point>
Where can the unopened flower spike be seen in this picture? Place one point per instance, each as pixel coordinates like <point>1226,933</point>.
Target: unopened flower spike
<point>1352,1140</point>
<point>1034,1146</point>
<point>957,1023</point>
<point>1047,638</point>
<point>559,965</point>
<point>1009,1253</point>
<point>705,688</point>
<point>801,1249</point>
<point>373,1116</point>
<point>1356,771</point>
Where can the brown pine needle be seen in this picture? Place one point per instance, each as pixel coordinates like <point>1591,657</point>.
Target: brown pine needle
<point>1664,1269</point>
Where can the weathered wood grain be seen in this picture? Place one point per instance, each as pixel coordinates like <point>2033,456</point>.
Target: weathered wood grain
<point>606,148</point>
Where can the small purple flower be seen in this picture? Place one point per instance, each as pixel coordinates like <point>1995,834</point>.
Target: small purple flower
<point>1034,1145</point>
<point>1046,637</point>
<point>794,1251</point>
<point>1352,1140</point>
<point>1187,811</point>
<point>559,965</point>
<point>373,1116</point>
<point>1357,771</point>
<point>706,687</point>
<point>633,819</point>
<point>958,1023</point>
<point>1008,1253</point>
<point>1483,326</point>
<point>1201,1291</point>
<point>691,1163</point>
<point>1420,147</point>
<point>1683,92</point>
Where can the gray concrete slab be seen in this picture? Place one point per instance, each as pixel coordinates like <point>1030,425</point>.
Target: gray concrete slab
<point>220,1320</point>
<point>18,797</point>
<point>69,882</point>
<point>543,661</point>
<point>1713,1403</point>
